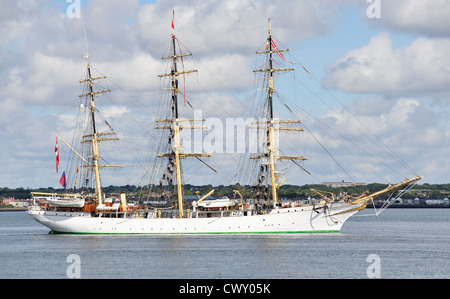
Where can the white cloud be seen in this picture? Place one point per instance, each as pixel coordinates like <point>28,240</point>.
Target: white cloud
<point>365,143</point>
<point>211,27</point>
<point>41,63</point>
<point>115,111</point>
<point>396,118</point>
<point>419,16</point>
<point>42,80</point>
<point>422,68</point>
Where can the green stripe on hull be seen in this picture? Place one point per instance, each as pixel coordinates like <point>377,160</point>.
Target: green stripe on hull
<point>199,233</point>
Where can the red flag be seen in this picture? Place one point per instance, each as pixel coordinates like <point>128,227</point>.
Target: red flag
<point>62,180</point>
<point>173,20</point>
<point>57,154</point>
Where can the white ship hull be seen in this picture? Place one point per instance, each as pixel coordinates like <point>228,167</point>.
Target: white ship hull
<point>302,219</point>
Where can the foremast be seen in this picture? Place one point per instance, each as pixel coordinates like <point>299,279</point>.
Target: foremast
<point>272,127</point>
<point>95,137</point>
<point>174,125</point>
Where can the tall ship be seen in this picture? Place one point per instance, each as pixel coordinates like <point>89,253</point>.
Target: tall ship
<point>89,211</point>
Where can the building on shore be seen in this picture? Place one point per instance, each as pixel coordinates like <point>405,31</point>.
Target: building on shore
<point>341,184</point>
<point>15,202</point>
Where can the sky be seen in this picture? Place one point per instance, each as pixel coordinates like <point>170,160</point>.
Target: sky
<point>384,65</point>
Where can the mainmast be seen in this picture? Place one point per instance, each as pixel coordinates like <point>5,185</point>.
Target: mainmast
<point>94,137</point>
<point>272,125</point>
<point>271,71</point>
<point>174,127</point>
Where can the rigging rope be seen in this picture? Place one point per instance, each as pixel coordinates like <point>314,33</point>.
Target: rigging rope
<point>340,144</point>
<point>385,148</point>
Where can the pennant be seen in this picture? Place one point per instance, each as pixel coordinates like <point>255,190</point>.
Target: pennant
<point>306,71</point>
<point>281,55</point>
<point>62,180</point>
<point>173,21</point>
<point>278,51</point>
<point>75,185</point>
<point>57,154</point>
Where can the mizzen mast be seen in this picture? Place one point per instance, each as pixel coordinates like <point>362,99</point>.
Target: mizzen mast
<point>272,127</point>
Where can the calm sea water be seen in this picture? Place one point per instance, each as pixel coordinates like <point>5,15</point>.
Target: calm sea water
<point>408,243</point>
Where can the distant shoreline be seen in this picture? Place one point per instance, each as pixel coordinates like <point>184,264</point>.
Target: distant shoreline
<point>13,209</point>
<point>411,206</point>
<point>393,206</point>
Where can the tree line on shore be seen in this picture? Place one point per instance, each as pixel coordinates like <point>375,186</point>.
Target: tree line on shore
<point>285,191</point>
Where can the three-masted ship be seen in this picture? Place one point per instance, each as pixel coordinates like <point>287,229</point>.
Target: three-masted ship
<point>86,213</point>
